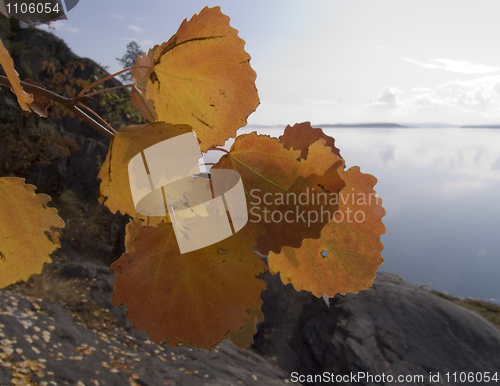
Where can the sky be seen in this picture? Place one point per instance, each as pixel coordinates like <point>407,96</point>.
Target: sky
<point>330,61</point>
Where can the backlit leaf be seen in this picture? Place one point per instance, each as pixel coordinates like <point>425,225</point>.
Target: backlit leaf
<point>28,233</point>
<point>244,338</point>
<point>282,189</point>
<point>23,97</point>
<point>301,135</point>
<point>195,298</point>
<point>115,190</point>
<point>141,77</point>
<point>132,230</point>
<point>40,104</point>
<point>347,256</point>
<point>202,77</point>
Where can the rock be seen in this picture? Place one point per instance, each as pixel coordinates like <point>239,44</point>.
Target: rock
<point>5,376</point>
<point>40,342</point>
<point>394,328</point>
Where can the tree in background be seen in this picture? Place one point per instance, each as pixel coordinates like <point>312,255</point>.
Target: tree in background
<point>128,59</point>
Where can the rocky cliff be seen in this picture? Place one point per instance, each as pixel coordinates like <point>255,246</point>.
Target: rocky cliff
<point>61,155</point>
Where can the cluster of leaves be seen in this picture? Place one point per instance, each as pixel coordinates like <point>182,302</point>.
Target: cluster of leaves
<point>201,80</point>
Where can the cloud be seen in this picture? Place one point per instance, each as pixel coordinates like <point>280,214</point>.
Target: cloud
<point>134,28</point>
<point>475,101</point>
<point>459,66</point>
<point>388,100</point>
<point>117,16</point>
<point>59,25</point>
<point>479,93</point>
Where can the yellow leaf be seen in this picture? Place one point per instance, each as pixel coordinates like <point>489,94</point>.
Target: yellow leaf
<point>195,298</point>
<point>140,77</point>
<point>23,97</point>
<point>28,232</point>
<point>202,77</point>
<point>129,141</point>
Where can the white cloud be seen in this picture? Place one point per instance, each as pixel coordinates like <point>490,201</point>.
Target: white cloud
<point>475,101</point>
<point>388,100</point>
<point>134,28</point>
<point>459,66</point>
<point>59,25</point>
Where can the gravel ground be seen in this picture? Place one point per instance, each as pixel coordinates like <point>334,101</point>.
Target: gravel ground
<point>84,340</point>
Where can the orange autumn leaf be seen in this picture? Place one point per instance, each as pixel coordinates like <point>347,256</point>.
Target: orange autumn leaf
<point>40,104</point>
<point>244,338</point>
<point>202,77</point>
<point>114,189</point>
<point>132,230</point>
<point>23,97</point>
<point>195,298</point>
<point>282,190</point>
<point>348,254</point>
<point>301,135</point>
<point>141,76</point>
<point>28,233</point>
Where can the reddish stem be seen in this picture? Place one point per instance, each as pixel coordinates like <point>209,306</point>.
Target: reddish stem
<point>98,82</point>
<point>109,89</point>
<point>97,116</point>
<point>220,149</point>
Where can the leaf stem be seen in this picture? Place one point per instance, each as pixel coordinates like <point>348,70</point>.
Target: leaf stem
<point>97,116</point>
<point>68,103</point>
<point>98,82</point>
<point>109,89</point>
<point>220,149</point>
<point>91,122</point>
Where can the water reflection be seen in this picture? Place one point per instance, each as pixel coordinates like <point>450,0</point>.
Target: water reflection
<point>441,190</point>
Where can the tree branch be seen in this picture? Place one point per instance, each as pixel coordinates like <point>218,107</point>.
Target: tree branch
<point>68,103</point>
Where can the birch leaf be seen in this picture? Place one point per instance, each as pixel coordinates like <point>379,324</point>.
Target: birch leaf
<point>28,233</point>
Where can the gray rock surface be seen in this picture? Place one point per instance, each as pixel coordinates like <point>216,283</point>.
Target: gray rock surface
<point>41,343</point>
<point>394,328</point>
<point>391,329</point>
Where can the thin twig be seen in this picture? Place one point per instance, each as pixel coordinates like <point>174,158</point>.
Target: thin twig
<point>220,149</point>
<point>108,89</point>
<point>97,116</point>
<point>98,82</point>
<point>96,125</point>
<point>68,103</point>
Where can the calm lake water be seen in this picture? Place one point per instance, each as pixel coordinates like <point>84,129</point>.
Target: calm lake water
<point>441,191</point>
